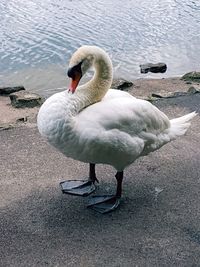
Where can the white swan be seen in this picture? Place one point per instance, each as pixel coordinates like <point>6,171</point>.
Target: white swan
<point>95,124</point>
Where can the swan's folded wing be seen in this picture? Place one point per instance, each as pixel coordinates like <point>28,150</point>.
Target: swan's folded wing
<point>129,115</point>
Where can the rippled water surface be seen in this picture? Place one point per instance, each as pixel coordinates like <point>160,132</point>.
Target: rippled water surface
<point>38,37</point>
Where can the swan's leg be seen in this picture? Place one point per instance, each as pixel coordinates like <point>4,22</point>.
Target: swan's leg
<point>119,177</point>
<point>92,173</point>
<point>107,203</point>
<point>81,187</point>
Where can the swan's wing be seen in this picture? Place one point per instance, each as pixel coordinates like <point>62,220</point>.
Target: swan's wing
<point>113,93</point>
<point>117,131</point>
<point>126,114</point>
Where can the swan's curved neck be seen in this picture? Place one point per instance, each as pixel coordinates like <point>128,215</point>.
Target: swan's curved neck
<point>94,90</point>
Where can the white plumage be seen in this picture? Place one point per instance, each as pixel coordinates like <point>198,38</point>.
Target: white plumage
<point>95,124</point>
<point>101,125</point>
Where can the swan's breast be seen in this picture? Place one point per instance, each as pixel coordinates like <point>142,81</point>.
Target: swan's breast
<point>54,120</point>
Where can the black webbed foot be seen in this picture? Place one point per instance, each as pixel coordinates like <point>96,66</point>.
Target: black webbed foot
<point>104,204</point>
<point>78,187</point>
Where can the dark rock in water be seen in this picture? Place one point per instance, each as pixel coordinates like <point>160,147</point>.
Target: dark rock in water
<point>121,84</point>
<point>154,68</point>
<point>10,90</point>
<point>25,99</point>
<point>193,76</point>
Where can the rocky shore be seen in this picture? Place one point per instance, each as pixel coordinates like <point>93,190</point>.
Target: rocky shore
<point>20,107</point>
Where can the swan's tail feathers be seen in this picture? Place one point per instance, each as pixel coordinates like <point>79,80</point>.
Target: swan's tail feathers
<point>180,125</point>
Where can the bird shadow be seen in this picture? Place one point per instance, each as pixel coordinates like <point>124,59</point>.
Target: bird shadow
<point>51,210</point>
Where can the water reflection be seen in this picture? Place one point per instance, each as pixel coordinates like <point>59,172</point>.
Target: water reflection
<point>39,37</point>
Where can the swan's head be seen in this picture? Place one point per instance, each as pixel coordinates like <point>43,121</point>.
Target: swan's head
<point>81,61</point>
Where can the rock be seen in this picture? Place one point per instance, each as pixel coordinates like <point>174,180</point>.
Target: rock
<point>10,90</point>
<point>193,76</point>
<point>157,95</point>
<point>22,119</point>
<point>25,99</point>
<point>177,94</point>
<point>154,68</point>
<point>121,84</point>
<point>169,95</point>
<point>188,82</point>
<point>6,126</point>
<point>193,90</point>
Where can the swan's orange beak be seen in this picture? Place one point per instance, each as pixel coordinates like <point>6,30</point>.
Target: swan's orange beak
<point>74,82</point>
<point>75,73</point>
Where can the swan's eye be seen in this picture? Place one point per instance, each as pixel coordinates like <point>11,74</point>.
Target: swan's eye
<point>73,71</point>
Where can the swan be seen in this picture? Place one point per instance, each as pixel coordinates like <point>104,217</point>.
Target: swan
<point>95,124</point>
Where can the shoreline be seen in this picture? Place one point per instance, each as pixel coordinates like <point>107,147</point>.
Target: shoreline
<point>140,88</point>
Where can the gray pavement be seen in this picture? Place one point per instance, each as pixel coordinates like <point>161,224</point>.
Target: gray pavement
<point>157,224</point>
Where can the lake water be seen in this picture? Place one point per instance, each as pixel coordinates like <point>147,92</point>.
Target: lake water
<point>38,37</point>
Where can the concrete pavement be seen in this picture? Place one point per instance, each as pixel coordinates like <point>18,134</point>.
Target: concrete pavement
<point>157,224</point>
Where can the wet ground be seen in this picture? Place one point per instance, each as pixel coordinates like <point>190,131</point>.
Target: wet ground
<point>157,224</point>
